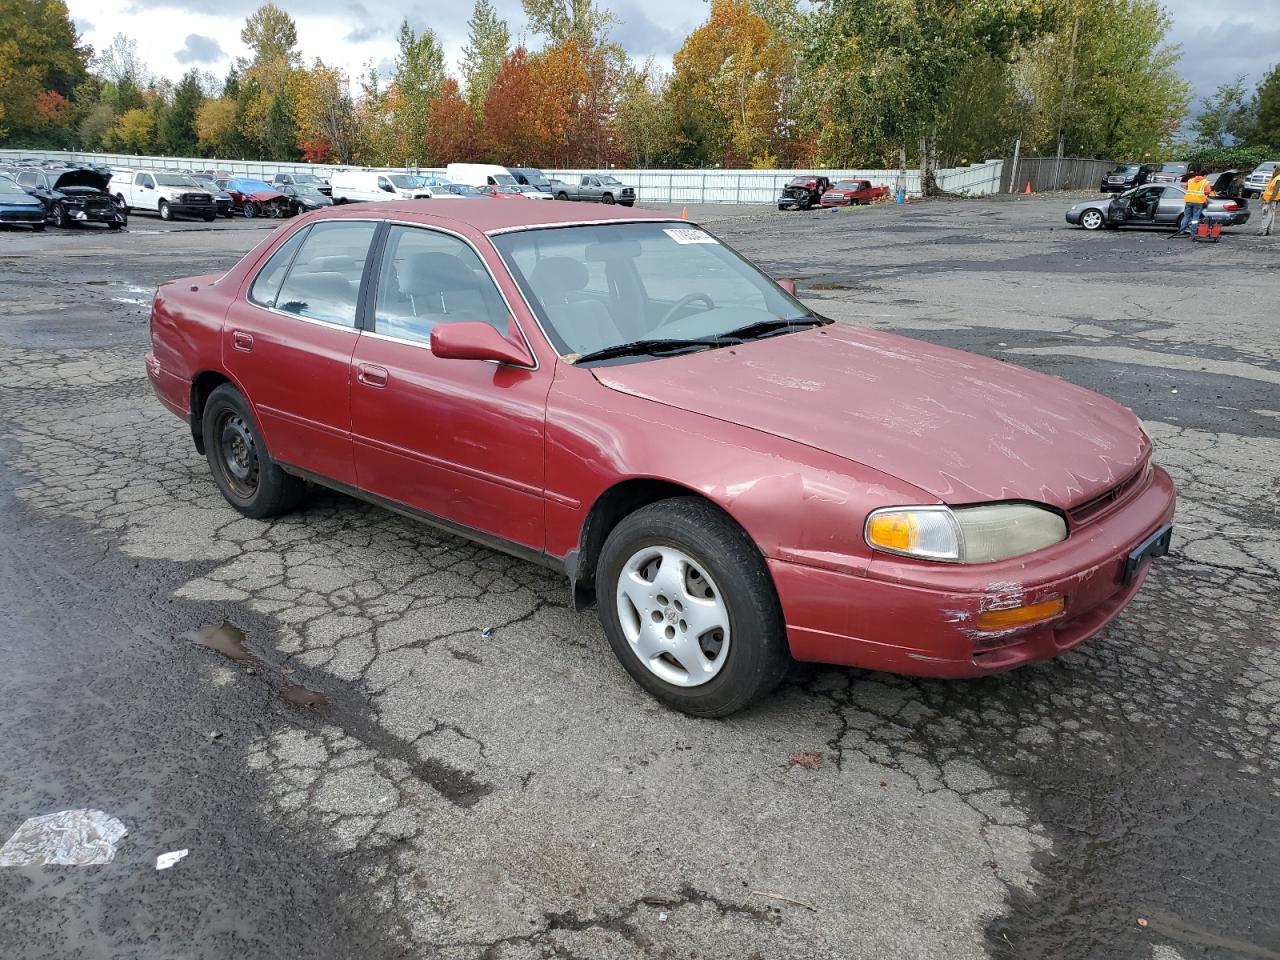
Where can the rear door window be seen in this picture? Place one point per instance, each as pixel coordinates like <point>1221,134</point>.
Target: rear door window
<point>266,286</point>
<point>323,281</point>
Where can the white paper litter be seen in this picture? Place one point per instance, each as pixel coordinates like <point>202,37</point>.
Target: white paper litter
<point>167,860</point>
<point>71,838</point>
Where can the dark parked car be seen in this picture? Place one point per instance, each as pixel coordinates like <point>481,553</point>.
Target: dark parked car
<point>1170,173</point>
<point>251,198</point>
<point>1154,204</point>
<point>19,207</point>
<point>803,193</point>
<point>1126,176</point>
<point>532,177</point>
<point>222,199</point>
<point>73,196</point>
<point>301,180</point>
<point>305,196</point>
<point>733,480</point>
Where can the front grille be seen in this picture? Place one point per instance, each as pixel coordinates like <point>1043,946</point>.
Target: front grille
<point>13,216</point>
<point>1092,509</point>
<point>195,198</point>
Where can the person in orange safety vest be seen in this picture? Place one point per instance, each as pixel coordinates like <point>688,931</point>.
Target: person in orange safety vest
<point>1270,200</point>
<point>1196,197</point>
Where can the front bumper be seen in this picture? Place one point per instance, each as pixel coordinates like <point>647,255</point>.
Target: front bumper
<point>192,209</point>
<point>916,618</point>
<point>97,215</point>
<point>22,214</point>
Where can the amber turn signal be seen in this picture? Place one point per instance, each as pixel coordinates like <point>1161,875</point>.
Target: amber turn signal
<point>1021,616</point>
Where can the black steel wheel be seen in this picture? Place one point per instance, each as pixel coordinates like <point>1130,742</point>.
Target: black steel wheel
<point>242,468</point>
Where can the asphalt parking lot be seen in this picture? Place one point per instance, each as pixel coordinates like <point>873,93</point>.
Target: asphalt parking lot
<point>425,753</point>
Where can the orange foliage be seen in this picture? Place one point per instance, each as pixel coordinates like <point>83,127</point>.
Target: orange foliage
<point>451,126</point>
<point>512,118</point>
<point>53,108</point>
<point>317,150</point>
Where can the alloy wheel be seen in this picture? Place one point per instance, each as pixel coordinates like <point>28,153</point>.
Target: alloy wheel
<point>673,616</point>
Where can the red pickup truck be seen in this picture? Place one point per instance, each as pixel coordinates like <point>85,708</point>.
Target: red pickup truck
<point>850,193</point>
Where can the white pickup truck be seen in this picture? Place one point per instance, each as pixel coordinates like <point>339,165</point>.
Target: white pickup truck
<point>168,194</point>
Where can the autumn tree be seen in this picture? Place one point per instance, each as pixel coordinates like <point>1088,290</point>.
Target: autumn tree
<point>40,52</point>
<point>216,127</point>
<point>133,132</point>
<point>728,76</point>
<point>452,132</point>
<point>511,114</point>
<point>325,114</point>
<point>488,43</point>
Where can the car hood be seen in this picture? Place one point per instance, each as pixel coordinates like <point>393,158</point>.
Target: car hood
<point>19,200</point>
<point>263,196</point>
<point>81,178</point>
<point>963,428</point>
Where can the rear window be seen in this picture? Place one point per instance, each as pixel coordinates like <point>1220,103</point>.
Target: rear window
<point>323,282</point>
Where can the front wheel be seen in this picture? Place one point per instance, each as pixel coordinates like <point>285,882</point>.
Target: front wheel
<point>60,218</point>
<point>689,608</point>
<point>165,212</point>
<point>114,225</point>
<point>242,468</point>
<point>250,210</point>
<point>228,213</point>
<point>1092,219</point>
<point>607,199</point>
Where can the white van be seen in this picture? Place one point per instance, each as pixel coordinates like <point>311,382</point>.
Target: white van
<point>480,175</point>
<point>354,186</point>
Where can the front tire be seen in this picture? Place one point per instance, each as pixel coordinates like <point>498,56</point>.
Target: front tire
<point>60,218</point>
<point>165,212</point>
<point>242,468</point>
<point>689,609</point>
<point>607,199</point>
<point>250,210</point>
<point>1092,220</point>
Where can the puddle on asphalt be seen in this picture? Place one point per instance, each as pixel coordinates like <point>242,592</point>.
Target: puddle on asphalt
<point>225,638</point>
<point>228,639</point>
<point>300,696</point>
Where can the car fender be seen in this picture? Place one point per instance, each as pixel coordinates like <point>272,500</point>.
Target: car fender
<point>797,503</point>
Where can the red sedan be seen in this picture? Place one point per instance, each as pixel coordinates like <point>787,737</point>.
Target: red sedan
<point>732,479</point>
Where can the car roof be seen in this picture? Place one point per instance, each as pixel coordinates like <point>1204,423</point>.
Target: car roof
<point>496,216</point>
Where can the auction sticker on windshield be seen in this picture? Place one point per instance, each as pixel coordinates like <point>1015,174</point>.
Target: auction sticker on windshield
<point>689,235</point>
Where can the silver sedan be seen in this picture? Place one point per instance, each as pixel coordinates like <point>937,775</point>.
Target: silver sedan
<point>1155,204</point>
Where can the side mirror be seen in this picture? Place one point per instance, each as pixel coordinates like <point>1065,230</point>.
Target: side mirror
<point>472,340</point>
<point>789,285</point>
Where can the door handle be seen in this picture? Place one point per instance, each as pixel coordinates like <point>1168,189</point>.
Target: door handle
<point>372,376</point>
<point>241,341</point>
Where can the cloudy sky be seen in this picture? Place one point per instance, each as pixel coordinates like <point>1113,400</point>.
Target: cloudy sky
<point>1220,39</point>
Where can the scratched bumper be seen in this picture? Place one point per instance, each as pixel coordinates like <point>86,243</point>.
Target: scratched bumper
<point>173,391</point>
<point>918,618</point>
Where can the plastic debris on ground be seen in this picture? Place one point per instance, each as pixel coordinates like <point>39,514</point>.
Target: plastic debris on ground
<point>70,838</point>
<point>167,860</point>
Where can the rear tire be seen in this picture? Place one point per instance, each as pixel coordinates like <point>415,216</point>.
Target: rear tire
<point>562,195</point>
<point>242,468</point>
<point>714,578</point>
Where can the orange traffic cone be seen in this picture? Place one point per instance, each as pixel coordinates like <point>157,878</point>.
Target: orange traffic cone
<point>1027,192</point>
<point>684,213</point>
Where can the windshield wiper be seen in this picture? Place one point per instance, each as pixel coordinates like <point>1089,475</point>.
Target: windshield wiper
<point>764,328</point>
<point>655,348</point>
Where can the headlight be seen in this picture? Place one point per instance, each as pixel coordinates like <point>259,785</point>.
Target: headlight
<point>980,534</point>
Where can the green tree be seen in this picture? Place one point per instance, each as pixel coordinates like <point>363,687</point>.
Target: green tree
<point>178,128</point>
<point>39,51</point>
<point>642,121</point>
<point>133,132</point>
<point>1107,80</point>
<point>1227,116</point>
<point>488,43</point>
<point>559,20</point>
<point>889,65</point>
<point>418,75</point>
<point>1266,128</point>
<point>272,35</point>
<point>95,125</point>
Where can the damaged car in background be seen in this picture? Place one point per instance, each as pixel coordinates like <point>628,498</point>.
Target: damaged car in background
<point>1159,205</point>
<point>732,479</point>
<point>73,196</point>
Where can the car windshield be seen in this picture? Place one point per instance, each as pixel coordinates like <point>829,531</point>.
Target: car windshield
<point>173,180</point>
<point>800,181</point>
<point>847,184</point>
<point>254,186</point>
<point>607,285</point>
<point>610,180</point>
<point>10,187</point>
<point>307,190</point>
<point>301,178</point>
<point>1173,168</point>
<point>1126,168</point>
<point>461,189</point>
<point>529,188</point>
<point>406,181</point>
<point>504,178</point>
<point>507,188</point>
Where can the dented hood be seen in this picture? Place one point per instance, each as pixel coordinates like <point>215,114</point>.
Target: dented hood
<point>963,428</point>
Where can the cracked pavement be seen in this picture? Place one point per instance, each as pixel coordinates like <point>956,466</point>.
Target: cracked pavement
<point>483,779</point>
